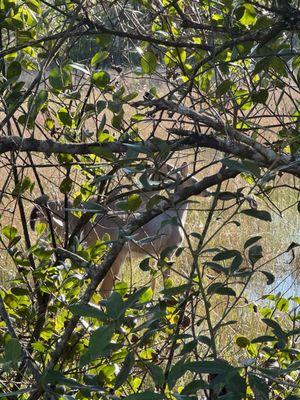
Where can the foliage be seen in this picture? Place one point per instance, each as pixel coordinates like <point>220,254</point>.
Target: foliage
<point>213,82</point>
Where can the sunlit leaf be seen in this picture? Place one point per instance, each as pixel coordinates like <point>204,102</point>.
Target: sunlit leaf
<point>99,57</point>
<point>148,62</point>
<point>132,204</point>
<point>64,117</point>
<point>101,79</point>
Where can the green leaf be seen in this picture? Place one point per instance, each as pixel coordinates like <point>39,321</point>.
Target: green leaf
<point>40,100</point>
<point>146,295</point>
<point>64,117</point>
<point>223,87</point>
<point>225,255</point>
<point>115,306</point>
<point>144,396</point>
<point>100,342</point>
<point>216,267</point>
<point>242,341</point>
<point>34,5</point>
<point>12,351</point>
<point>121,288</point>
<point>276,63</point>
<point>173,291</point>
<point>117,120</point>
<point>194,386</point>
<point>87,310</point>
<point>19,291</point>
<point>190,346</point>
<point>59,78</point>
<point>282,304</point>
<point>259,214</point>
<point>94,207</point>
<point>292,397</point>
<point>264,339</point>
<point>22,186</point>
<point>259,387</point>
<point>236,263</point>
<point>100,106</point>
<point>132,204</point>
<point>66,185</point>
<point>101,79</point>
<point>270,277</point>
<point>276,328</point>
<point>176,372</point>
<point>115,106</point>
<point>260,96</point>
<point>99,57</point>
<point>16,393</point>
<point>56,377</point>
<point>49,124</point>
<point>135,297</point>
<point>246,14</point>
<point>218,288</point>
<point>209,367</point>
<point>9,231</point>
<point>255,253</point>
<point>295,366</point>
<point>205,339</point>
<point>103,152</point>
<point>145,264</point>
<point>35,104</point>
<point>104,137</point>
<point>137,117</point>
<point>251,241</point>
<point>148,62</point>
<point>103,40</point>
<point>125,370</point>
<point>130,97</point>
<point>157,374</point>
<point>13,71</point>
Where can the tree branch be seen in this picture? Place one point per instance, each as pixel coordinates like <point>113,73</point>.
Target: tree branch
<point>248,149</point>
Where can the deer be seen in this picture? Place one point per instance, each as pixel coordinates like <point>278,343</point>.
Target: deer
<point>161,234</point>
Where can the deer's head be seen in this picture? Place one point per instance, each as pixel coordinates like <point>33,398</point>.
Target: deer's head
<point>184,180</point>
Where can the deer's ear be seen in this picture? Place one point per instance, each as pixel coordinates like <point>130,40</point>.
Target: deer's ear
<point>184,169</point>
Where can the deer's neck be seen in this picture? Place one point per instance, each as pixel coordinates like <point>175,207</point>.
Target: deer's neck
<point>182,212</point>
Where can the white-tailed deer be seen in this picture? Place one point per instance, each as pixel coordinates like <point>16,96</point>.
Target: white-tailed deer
<point>161,231</point>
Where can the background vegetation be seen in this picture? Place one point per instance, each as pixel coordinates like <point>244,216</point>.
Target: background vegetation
<point>96,98</point>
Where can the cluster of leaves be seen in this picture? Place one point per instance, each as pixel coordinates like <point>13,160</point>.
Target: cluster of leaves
<point>136,348</point>
<point>230,60</point>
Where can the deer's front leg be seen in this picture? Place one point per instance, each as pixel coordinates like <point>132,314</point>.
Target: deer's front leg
<point>113,273</point>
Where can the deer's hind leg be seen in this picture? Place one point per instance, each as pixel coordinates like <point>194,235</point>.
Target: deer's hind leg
<point>109,280</point>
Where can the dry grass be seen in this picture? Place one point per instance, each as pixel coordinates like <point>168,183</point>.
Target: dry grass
<point>277,235</point>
